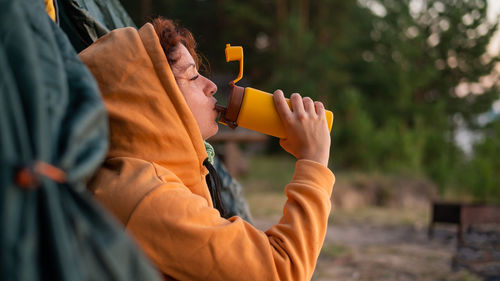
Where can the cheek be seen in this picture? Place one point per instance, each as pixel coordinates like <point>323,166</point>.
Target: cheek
<point>188,93</point>
<point>200,108</point>
<point>184,87</point>
<point>197,102</point>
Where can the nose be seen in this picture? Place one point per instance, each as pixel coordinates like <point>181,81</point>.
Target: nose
<point>210,87</point>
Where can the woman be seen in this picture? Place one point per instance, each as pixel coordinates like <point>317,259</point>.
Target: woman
<point>161,110</point>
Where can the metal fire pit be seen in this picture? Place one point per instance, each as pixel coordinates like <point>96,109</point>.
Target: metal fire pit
<point>464,215</point>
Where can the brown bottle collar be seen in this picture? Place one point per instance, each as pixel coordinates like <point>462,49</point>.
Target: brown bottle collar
<point>230,114</point>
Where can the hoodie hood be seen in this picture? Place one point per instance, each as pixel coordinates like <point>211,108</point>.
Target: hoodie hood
<point>148,115</point>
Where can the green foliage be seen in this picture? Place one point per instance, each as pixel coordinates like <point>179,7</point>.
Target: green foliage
<point>269,173</point>
<point>389,69</point>
<point>480,175</point>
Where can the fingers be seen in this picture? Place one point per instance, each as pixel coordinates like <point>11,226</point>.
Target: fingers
<point>309,105</point>
<point>281,106</point>
<point>320,109</point>
<point>298,105</point>
<point>301,106</point>
<point>307,135</point>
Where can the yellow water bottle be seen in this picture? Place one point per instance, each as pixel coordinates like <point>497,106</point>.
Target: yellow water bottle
<point>251,108</point>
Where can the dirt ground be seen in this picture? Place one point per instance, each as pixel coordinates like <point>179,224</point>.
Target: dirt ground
<point>374,243</point>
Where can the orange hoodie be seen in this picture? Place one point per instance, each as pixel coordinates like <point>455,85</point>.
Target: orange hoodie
<point>153,179</point>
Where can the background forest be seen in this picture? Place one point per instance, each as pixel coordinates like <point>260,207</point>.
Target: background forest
<point>412,86</point>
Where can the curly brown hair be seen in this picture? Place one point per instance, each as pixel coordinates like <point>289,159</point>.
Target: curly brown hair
<point>170,35</point>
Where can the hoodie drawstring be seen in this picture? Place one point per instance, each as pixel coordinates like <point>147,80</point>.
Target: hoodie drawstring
<point>214,186</point>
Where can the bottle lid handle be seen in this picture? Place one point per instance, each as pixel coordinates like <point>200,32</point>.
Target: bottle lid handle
<point>235,53</point>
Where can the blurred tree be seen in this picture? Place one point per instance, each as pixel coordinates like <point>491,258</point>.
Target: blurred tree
<point>480,176</point>
<point>424,70</point>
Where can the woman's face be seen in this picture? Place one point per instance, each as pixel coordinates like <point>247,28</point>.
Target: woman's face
<point>197,90</point>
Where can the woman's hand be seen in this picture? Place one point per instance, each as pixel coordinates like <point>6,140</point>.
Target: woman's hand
<point>306,128</point>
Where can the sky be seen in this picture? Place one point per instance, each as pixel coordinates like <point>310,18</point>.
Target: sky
<point>494,11</point>
<point>494,8</point>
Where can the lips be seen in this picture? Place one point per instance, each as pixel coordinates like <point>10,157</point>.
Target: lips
<point>214,108</point>
<point>215,104</point>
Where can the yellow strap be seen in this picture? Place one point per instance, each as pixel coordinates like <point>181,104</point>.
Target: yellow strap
<point>51,10</point>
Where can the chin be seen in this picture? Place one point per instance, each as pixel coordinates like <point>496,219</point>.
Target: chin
<point>211,131</point>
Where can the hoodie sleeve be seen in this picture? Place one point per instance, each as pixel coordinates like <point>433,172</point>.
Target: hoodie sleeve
<point>188,240</point>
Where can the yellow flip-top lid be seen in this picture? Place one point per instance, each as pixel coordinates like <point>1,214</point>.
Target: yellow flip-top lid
<point>235,53</point>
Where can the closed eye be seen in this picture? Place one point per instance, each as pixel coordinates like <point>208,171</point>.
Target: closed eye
<point>194,78</point>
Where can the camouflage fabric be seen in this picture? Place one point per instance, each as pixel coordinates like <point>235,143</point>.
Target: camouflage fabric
<point>232,193</point>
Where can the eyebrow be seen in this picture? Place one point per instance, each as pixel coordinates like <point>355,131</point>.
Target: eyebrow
<point>185,67</point>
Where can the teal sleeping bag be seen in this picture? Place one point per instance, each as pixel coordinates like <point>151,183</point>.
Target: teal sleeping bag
<point>53,135</point>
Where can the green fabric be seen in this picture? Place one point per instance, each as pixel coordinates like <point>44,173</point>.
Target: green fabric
<point>84,21</point>
<point>109,13</point>
<point>50,111</point>
<point>210,152</point>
